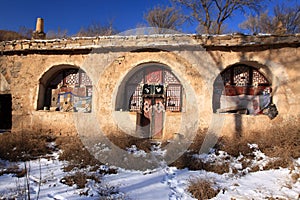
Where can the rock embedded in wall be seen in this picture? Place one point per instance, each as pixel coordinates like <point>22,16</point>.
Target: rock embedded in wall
<point>4,85</point>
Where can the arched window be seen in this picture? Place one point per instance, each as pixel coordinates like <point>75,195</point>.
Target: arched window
<point>152,74</point>
<point>241,89</point>
<point>67,90</point>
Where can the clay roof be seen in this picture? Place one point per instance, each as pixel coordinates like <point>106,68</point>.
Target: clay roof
<point>149,41</point>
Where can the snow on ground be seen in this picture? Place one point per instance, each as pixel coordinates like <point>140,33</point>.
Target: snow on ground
<point>162,183</point>
<point>50,185</point>
<point>171,183</point>
<point>261,184</point>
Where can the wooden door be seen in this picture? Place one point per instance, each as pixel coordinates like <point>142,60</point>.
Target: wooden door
<point>153,111</point>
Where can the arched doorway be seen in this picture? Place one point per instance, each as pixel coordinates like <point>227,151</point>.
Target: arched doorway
<point>150,90</point>
<point>65,88</point>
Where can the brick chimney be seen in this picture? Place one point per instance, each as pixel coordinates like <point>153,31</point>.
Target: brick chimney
<point>39,30</point>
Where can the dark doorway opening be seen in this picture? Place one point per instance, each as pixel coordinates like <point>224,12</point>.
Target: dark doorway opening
<point>5,112</point>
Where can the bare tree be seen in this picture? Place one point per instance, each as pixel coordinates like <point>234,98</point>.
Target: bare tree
<point>9,35</point>
<point>96,29</point>
<point>258,24</point>
<point>285,20</point>
<point>59,33</point>
<point>212,14</point>
<point>288,18</point>
<point>25,32</point>
<point>164,18</point>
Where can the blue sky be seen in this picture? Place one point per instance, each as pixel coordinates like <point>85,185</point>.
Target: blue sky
<point>72,15</point>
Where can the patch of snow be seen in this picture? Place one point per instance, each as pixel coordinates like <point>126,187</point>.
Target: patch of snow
<point>264,34</point>
<point>157,151</point>
<point>136,152</point>
<point>261,185</point>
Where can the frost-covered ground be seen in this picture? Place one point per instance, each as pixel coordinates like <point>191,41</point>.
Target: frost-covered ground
<point>45,177</point>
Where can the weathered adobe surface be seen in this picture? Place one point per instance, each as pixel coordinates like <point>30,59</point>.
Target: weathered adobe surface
<point>25,62</point>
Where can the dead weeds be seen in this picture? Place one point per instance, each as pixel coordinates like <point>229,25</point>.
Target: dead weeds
<point>15,170</point>
<point>124,141</point>
<point>73,151</point>
<point>280,142</point>
<point>187,160</point>
<point>24,146</point>
<point>79,179</point>
<point>202,189</point>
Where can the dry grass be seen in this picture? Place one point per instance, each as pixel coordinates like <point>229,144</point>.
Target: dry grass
<point>78,158</point>
<point>295,177</point>
<point>75,153</point>
<point>197,141</point>
<point>202,189</point>
<point>188,161</point>
<point>278,163</point>
<point>275,198</point>
<point>79,179</point>
<point>6,35</point>
<point>281,142</point>
<point>26,146</point>
<point>14,169</point>
<point>235,146</point>
<point>23,146</point>
<point>124,141</point>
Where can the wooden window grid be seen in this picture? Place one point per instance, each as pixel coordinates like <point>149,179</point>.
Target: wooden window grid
<point>173,100</point>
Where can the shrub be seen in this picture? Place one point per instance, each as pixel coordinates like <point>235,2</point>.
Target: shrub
<point>281,142</point>
<point>235,146</point>
<point>202,189</point>
<point>79,178</point>
<point>188,161</point>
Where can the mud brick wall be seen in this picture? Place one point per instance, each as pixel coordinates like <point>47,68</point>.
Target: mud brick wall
<point>196,60</point>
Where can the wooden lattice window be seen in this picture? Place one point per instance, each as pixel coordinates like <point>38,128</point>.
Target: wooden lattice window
<point>174,97</point>
<point>72,77</point>
<point>154,75</point>
<point>135,98</point>
<point>243,75</point>
<point>169,78</point>
<point>258,78</point>
<point>69,90</point>
<point>241,89</point>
